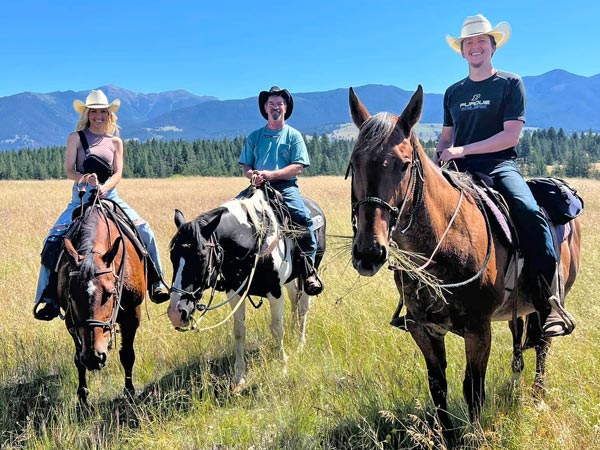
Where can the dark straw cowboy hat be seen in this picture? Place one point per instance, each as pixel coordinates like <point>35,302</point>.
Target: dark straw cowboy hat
<point>264,95</point>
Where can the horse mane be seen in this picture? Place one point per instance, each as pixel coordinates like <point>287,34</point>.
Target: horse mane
<point>84,240</point>
<point>374,133</point>
<point>255,206</point>
<point>462,181</point>
<point>195,226</point>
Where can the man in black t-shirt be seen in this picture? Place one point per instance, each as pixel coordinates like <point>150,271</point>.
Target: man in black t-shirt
<point>483,117</point>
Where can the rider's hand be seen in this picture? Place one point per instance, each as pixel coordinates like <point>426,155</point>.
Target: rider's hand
<point>93,180</point>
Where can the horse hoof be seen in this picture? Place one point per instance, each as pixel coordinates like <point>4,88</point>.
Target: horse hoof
<point>239,386</point>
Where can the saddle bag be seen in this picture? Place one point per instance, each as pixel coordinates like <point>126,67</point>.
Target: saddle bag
<point>561,201</point>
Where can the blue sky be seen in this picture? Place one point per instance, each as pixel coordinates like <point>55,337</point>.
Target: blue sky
<point>234,49</point>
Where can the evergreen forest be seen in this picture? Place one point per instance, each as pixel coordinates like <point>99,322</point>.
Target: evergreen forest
<point>541,152</point>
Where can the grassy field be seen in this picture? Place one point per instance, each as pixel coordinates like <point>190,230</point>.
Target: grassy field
<point>359,383</point>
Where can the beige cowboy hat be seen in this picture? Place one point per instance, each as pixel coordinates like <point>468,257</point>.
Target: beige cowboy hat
<point>476,25</point>
<point>96,100</point>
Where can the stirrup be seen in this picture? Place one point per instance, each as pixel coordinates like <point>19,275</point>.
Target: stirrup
<point>568,321</point>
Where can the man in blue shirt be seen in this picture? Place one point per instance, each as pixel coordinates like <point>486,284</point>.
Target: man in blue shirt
<point>484,114</point>
<point>277,153</point>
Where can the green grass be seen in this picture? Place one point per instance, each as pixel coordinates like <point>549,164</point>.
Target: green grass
<point>359,383</point>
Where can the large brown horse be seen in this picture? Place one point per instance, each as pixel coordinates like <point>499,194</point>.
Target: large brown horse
<point>101,284</point>
<point>400,196</point>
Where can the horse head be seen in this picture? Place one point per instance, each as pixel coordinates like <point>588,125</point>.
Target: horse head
<point>92,297</point>
<point>384,167</point>
<point>196,258</point>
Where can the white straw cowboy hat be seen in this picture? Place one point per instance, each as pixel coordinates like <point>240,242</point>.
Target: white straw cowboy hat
<point>476,25</point>
<point>96,100</point>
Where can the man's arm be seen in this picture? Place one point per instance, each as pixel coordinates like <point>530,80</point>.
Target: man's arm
<point>444,141</point>
<point>508,137</point>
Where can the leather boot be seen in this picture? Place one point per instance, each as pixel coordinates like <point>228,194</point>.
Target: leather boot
<point>313,285</point>
<point>49,299</point>
<point>555,318</point>
<point>159,293</point>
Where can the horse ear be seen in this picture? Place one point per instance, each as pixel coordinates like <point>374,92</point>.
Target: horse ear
<point>179,218</point>
<point>109,256</point>
<point>357,110</point>
<point>211,225</point>
<point>412,113</point>
<point>72,254</point>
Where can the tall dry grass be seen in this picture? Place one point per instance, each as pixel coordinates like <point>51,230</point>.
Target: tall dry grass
<point>359,383</point>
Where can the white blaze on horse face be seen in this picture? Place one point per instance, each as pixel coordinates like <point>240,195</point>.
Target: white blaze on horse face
<point>173,311</point>
<point>90,289</point>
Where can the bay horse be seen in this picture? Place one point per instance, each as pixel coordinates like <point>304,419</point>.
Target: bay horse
<point>400,198</point>
<point>101,283</point>
<point>241,248</point>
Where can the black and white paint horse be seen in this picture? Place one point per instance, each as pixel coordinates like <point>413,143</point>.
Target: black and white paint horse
<point>240,248</point>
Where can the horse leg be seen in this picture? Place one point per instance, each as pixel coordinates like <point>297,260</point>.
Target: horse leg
<point>433,347</point>
<point>277,330</point>
<point>300,304</point>
<point>239,334</point>
<point>477,347</point>
<point>539,385</point>
<point>129,328</point>
<point>82,389</point>
<point>534,339</point>
<point>516,329</point>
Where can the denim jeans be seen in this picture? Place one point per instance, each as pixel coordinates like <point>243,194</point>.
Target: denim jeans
<point>62,224</point>
<point>535,238</point>
<point>300,215</point>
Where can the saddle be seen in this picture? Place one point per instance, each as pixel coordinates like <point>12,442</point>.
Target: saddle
<point>498,213</point>
<point>275,200</point>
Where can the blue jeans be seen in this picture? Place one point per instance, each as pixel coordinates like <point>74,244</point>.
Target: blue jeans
<point>300,215</point>
<point>62,224</point>
<point>535,238</point>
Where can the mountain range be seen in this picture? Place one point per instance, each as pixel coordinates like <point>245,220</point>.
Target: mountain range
<point>556,99</point>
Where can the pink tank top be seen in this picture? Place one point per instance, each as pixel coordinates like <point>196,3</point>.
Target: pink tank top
<point>100,145</point>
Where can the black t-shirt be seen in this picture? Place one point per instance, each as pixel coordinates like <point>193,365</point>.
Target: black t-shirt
<point>478,109</point>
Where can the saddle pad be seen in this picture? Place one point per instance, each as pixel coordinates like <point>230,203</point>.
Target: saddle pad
<point>497,217</point>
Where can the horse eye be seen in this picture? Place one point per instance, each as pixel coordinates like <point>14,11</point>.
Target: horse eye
<point>186,245</point>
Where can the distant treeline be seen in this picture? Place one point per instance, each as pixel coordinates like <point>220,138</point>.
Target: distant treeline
<point>569,156</point>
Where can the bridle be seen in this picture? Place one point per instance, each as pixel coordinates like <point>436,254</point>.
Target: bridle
<point>416,183</point>
<point>214,265</point>
<point>415,191</point>
<point>110,324</point>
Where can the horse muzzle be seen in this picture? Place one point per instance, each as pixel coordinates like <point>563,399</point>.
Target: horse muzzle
<point>93,360</point>
<point>180,312</point>
<point>367,260</point>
